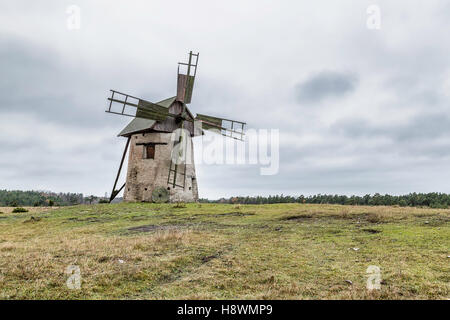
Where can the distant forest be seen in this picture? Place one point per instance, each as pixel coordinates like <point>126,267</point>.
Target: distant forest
<point>45,198</point>
<point>39,198</point>
<point>432,200</point>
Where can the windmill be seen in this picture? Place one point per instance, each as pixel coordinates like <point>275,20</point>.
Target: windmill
<point>160,162</point>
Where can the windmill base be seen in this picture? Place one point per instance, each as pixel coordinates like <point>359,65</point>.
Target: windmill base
<point>148,169</point>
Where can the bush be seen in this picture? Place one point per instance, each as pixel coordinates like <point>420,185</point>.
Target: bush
<point>51,203</point>
<point>103,201</point>
<point>19,209</point>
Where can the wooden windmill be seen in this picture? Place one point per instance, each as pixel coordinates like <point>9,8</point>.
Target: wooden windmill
<point>160,163</point>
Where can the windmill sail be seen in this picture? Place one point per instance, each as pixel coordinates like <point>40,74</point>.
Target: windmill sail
<point>185,87</point>
<point>228,128</point>
<point>140,108</point>
<point>209,122</point>
<point>185,82</point>
<point>153,111</point>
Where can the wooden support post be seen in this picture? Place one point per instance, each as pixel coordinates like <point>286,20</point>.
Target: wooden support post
<point>115,192</point>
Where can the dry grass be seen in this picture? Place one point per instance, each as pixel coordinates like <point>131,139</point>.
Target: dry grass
<point>288,251</point>
<point>30,209</point>
<point>171,235</point>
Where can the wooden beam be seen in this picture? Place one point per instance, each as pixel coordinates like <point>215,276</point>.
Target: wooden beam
<point>114,192</point>
<point>150,143</point>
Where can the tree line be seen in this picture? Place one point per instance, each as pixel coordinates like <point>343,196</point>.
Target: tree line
<point>433,200</point>
<point>14,198</point>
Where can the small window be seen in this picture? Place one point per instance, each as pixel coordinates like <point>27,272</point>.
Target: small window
<point>149,151</point>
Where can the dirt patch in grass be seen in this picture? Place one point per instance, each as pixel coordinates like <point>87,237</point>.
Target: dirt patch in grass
<point>234,214</point>
<point>89,219</point>
<point>153,228</point>
<point>139,218</point>
<point>297,217</point>
<point>327,216</point>
<point>211,257</point>
<point>104,259</point>
<point>373,231</point>
<point>32,219</point>
<point>146,228</point>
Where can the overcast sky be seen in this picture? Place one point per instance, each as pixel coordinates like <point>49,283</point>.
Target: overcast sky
<point>359,110</point>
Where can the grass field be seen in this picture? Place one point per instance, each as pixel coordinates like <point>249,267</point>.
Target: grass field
<point>208,251</point>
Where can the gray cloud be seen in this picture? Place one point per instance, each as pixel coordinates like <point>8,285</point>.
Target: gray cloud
<point>326,84</point>
<point>421,128</point>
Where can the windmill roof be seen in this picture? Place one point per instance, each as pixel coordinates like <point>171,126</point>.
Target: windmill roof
<point>136,125</point>
<point>141,124</point>
<point>166,102</point>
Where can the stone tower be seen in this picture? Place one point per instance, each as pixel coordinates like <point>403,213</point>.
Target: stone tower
<point>149,158</point>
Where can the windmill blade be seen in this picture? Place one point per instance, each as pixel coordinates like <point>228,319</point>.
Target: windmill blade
<point>185,82</point>
<point>185,86</point>
<point>226,127</point>
<point>153,111</point>
<point>140,107</point>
